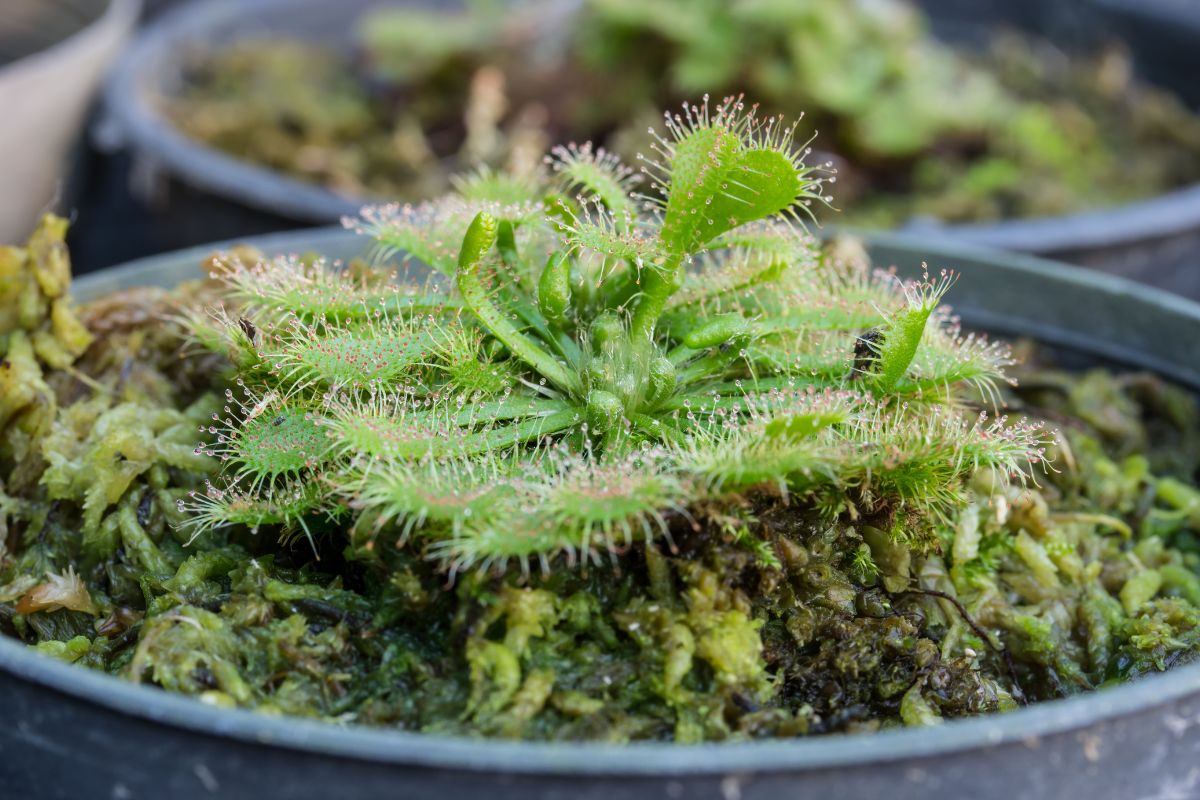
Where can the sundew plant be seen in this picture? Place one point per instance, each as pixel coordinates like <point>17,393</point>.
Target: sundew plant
<point>594,357</point>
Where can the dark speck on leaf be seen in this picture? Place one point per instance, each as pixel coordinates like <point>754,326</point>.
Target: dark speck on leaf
<point>248,328</point>
<point>866,350</point>
<point>204,677</point>
<point>292,124</point>
<point>144,508</point>
<point>745,703</point>
<point>328,611</point>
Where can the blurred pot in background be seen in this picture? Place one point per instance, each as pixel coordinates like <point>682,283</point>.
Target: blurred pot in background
<point>225,131</point>
<point>53,54</point>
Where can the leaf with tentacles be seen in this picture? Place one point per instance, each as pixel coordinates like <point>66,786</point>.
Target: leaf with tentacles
<point>581,370</point>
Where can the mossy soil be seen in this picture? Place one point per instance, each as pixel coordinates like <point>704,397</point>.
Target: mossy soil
<point>756,618</point>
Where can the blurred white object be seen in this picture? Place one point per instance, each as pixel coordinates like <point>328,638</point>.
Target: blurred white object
<point>44,97</point>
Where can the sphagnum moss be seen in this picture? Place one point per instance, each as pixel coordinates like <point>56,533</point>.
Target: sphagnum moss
<point>693,476</point>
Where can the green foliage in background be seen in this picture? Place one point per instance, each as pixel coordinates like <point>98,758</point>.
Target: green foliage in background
<point>918,128</point>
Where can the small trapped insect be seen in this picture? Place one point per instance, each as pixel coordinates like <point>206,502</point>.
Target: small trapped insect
<point>248,328</point>
<point>866,351</point>
<point>261,405</point>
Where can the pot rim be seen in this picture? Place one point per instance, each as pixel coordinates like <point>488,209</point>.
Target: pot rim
<point>133,119</point>
<point>1026,725</point>
<point>1171,12</point>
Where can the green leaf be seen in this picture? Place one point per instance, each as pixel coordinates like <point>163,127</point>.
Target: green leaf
<point>361,357</point>
<point>278,442</point>
<point>597,173</point>
<point>716,331</point>
<point>718,189</point>
<point>554,288</point>
<point>903,331</point>
<point>481,235</point>
<point>799,426</point>
<point>756,185</point>
<point>695,166</point>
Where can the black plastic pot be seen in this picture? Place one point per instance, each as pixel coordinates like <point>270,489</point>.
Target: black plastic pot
<point>186,193</point>
<point>1173,26</point>
<point>75,734</point>
<point>1156,240</point>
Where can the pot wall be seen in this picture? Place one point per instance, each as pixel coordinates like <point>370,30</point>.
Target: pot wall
<point>61,748</point>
